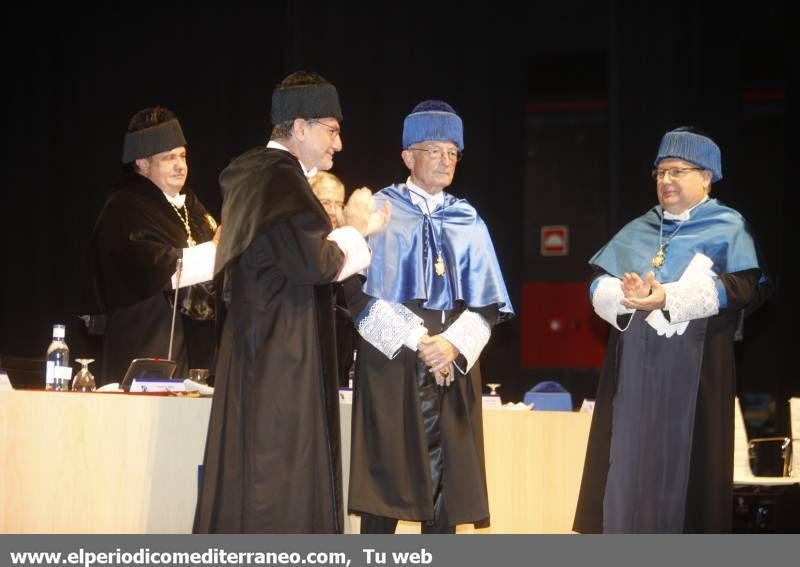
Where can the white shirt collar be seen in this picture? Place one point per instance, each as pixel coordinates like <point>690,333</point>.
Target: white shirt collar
<point>685,215</point>
<point>278,146</point>
<point>419,196</point>
<point>177,200</point>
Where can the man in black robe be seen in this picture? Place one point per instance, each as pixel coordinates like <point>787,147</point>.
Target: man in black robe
<point>674,284</point>
<point>272,462</point>
<point>435,289</point>
<point>142,230</point>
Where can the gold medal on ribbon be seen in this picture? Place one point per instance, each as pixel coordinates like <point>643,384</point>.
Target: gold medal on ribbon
<point>658,259</point>
<point>439,265</point>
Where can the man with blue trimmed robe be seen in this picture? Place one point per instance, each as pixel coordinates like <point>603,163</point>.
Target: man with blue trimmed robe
<point>674,284</point>
<point>435,290</point>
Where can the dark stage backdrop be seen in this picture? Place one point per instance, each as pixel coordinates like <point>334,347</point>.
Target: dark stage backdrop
<point>74,78</point>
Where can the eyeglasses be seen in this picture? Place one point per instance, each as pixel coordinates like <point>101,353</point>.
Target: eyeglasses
<point>333,131</point>
<point>674,172</point>
<point>435,152</point>
<point>330,203</point>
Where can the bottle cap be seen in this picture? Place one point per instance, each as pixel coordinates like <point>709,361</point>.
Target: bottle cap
<point>58,331</point>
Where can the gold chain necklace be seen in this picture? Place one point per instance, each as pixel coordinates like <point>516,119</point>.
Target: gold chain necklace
<point>185,220</point>
<point>658,259</point>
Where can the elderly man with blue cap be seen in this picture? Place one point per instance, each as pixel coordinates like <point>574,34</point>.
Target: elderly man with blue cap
<point>435,289</point>
<point>674,284</point>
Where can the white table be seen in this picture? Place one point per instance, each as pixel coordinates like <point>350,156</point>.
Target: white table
<point>121,463</point>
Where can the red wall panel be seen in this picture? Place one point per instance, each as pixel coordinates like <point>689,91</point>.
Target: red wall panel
<point>559,328</point>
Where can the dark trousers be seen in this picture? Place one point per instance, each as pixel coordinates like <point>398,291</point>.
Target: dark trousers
<point>431,403</point>
<point>382,525</point>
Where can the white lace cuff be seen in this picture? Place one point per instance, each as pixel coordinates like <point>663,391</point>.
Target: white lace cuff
<point>413,337</point>
<point>691,298</point>
<point>606,300</point>
<point>694,295</point>
<point>387,326</point>
<point>469,334</point>
<point>356,252</point>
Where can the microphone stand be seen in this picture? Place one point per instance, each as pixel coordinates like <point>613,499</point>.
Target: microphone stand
<point>178,270</point>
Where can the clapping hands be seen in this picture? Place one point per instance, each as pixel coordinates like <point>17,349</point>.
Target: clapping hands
<point>360,213</point>
<point>642,294</point>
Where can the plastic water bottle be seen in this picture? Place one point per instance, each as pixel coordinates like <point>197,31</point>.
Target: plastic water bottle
<point>351,374</point>
<point>59,372</point>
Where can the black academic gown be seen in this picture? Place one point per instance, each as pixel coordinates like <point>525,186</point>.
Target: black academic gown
<point>683,389</point>
<point>272,462</point>
<point>136,242</point>
<point>346,337</point>
<point>407,444</point>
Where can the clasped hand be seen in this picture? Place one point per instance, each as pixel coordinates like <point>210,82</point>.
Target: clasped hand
<point>642,294</point>
<point>438,355</point>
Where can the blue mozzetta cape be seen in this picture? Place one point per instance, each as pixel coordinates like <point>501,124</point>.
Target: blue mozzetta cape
<point>713,229</point>
<point>403,256</point>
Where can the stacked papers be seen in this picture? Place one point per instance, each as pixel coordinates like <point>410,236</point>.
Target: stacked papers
<point>203,389</point>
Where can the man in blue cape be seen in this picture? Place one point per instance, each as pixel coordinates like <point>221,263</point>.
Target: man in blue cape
<point>435,290</point>
<point>674,284</point>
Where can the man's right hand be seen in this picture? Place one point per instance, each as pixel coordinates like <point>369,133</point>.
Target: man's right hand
<point>360,213</point>
<point>379,220</point>
<point>635,287</point>
<point>645,294</point>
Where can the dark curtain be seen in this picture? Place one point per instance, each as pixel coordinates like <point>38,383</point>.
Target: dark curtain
<point>73,79</point>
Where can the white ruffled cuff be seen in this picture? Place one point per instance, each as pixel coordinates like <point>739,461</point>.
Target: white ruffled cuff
<point>692,298</point>
<point>606,300</point>
<point>694,295</point>
<point>663,327</point>
<point>388,326</point>
<point>356,252</point>
<point>469,334</point>
<point>413,337</point>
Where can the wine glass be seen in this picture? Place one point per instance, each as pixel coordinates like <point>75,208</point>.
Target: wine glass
<point>84,381</point>
<point>493,387</point>
<point>199,375</point>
